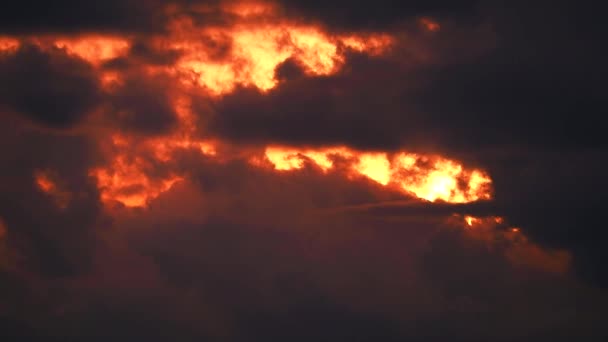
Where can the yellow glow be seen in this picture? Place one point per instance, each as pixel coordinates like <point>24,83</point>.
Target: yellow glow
<point>126,182</point>
<point>257,49</point>
<point>472,220</point>
<point>94,49</point>
<point>374,166</point>
<point>430,178</point>
<point>284,159</point>
<point>126,179</point>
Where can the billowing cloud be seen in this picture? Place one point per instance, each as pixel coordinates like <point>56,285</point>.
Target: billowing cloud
<point>49,87</point>
<point>302,170</point>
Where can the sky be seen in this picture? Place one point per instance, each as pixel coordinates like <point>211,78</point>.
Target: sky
<point>218,170</point>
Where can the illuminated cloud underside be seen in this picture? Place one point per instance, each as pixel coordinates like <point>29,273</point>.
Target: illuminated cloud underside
<point>257,47</point>
<point>428,177</point>
<point>383,166</point>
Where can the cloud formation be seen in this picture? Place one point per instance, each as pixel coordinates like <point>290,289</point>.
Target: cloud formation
<point>302,170</point>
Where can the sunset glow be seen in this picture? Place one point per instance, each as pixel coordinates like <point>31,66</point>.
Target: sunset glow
<point>254,52</point>
<point>298,170</point>
<point>127,183</point>
<point>428,177</point>
<point>94,49</point>
<point>7,43</point>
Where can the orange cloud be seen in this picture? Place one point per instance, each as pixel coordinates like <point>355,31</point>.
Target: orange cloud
<point>251,47</point>
<point>127,183</point>
<point>428,177</point>
<point>47,182</point>
<point>94,48</point>
<point>8,43</point>
<point>257,49</point>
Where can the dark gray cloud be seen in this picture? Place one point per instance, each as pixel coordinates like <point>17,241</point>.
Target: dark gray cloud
<point>366,15</point>
<point>53,235</point>
<point>35,16</point>
<point>49,87</point>
<point>142,104</point>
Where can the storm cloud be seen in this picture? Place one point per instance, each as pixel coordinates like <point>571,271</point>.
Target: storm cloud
<point>302,170</point>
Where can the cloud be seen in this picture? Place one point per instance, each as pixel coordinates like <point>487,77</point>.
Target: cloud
<point>143,104</point>
<point>377,15</point>
<point>48,203</point>
<point>33,16</point>
<point>49,87</point>
<point>202,170</point>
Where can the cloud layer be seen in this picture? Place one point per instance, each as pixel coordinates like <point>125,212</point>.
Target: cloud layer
<point>254,171</point>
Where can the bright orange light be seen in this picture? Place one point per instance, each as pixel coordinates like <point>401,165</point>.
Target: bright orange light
<point>471,220</point>
<point>8,43</point>
<point>257,49</point>
<point>491,221</point>
<point>94,49</point>
<point>44,182</point>
<point>126,182</point>
<point>430,178</point>
<point>373,45</point>
<point>127,178</point>
<point>285,159</point>
<point>374,166</point>
<point>249,53</point>
<point>253,49</point>
<point>249,8</point>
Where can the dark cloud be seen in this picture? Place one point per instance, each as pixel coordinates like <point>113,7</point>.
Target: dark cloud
<point>34,16</point>
<point>142,104</point>
<point>49,87</point>
<point>291,266</point>
<point>52,237</point>
<point>528,111</point>
<point>289,70</point>
<point>524,103</point>
<point>365,15</point>
<point>142,51</point>
<point>341,109</point>
<point>310,274</point>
